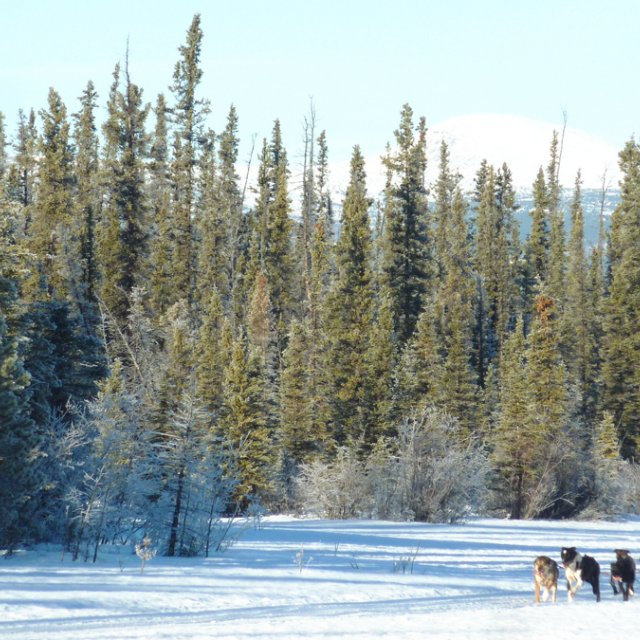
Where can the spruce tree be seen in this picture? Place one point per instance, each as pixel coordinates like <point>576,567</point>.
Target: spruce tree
<point>122,236</point>
<point>579,313</point>
<point>556,269</point>
<point>298,440</point>
<point>406,243</point>
<point>87,195</point>
<point>537,244</point>
<point>20,438</point>
<point>210,357</point>
<point>52,238</point>
<point>349,311</point>
<point>490,257</point>
<point>621,365</point>
<point>23,183</point>
<point>19,442</point>
<point>244,424</point>
<point>382,359</point>
<point>188,115</point>
<point>229,202</point>
<point>513,452</point>
<point>277,252</point>
<point>158,269</point>
<point>452,384</point>
<point>444,189</point>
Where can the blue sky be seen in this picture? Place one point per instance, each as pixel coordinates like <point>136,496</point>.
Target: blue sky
<point>358,61</point>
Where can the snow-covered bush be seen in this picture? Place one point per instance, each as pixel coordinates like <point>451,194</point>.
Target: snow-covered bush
<point>441,471</point>
<point>430,472</point>
<point>337,489</point>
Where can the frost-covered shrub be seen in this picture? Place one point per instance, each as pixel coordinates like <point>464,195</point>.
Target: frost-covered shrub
<point>337,489</point>
<point>441,471</point>
<point>430,472</point>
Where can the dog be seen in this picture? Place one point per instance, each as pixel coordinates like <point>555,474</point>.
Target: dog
<point>545,575</point>
<point>579,569</point>
<point>623,574</point>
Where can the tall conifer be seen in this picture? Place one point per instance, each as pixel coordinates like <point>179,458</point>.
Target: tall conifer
<point>406,244</point>
<point>621,362</point>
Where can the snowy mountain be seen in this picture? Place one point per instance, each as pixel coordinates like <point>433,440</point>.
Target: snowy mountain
<point>523,143</point>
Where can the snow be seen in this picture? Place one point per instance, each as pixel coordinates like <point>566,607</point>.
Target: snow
<point>319,579</point>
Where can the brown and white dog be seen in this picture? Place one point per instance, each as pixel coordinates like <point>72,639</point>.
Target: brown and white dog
<point>623,574</point>
<point>545,575</point>
<point>579,569</point>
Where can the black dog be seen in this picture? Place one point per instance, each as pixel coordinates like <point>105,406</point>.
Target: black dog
<point>623,573</point>
<point>579,569</point>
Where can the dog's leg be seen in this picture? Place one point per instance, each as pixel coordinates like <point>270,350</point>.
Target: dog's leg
<point>613,585</point>
<point>554,589</point>
<point>537,587</point>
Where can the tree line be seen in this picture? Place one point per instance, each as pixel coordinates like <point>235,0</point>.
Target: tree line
<point>176,347</point>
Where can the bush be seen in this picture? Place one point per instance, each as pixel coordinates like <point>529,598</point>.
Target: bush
<point>430,472</point>
<point>334,490</point>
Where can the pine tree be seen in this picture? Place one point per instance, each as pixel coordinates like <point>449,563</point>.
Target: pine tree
<point>22,183</point>
<point>159,268</point>
<point>405,245</point>
<point>297,437</point>
<point>188,114</point>
<point>19,436</point>
<point>445,187</point>
<point>244,424</point>
<point>382,360</point>
<point>513,451</point>
<point>309,203</point>
<point>210,357</point>
<point>348,324</point>
<point>277,252</point>
<point>606,460</point>
<point>537,244</point>
<point>490,257</point>
<point>621,367</point>
<point>229,199</point>
<point>319,286</point>
<point>547,371</point>
<point>511,276</point>
<point>87,196</point>
<point>19,442</point>
<point>579,313</point>
<point>51,237</point>
<point>122,238</point>
<point>556,269</point>
<point>453,384</point>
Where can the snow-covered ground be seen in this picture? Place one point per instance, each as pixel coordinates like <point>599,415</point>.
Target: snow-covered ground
<point>292,578</point>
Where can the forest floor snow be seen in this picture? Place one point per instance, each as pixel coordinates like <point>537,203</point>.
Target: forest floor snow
<point>325,579</point>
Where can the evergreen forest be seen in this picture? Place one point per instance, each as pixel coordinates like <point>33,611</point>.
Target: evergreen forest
<point>178,348</point>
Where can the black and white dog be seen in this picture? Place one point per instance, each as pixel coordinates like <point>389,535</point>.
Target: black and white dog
<point>623,574</point>
<point>579,569</point>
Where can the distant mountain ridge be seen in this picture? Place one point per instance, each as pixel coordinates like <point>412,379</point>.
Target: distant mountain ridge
<point>523,143</point>
<point>592,205</point>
